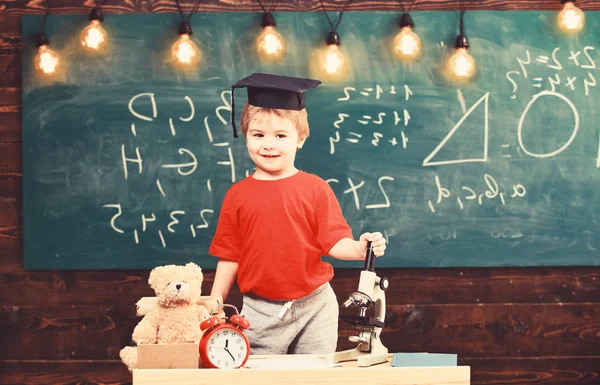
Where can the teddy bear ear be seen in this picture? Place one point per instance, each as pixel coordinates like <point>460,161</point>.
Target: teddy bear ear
<point>155,275</point>
<point>194,268</point>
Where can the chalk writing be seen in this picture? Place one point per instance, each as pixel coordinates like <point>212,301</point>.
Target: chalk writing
<point>467,193</point>
<point>353,189</point>
<point>558,61</point>
<point>485,100</point>
<point>133,155</point>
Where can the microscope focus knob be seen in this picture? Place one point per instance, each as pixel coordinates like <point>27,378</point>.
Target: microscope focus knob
<point>384,283</point>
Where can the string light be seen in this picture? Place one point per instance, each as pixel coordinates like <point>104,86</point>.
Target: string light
<point>332,63</point>
<point>184,51</point>
<point>570,19</point>
<point>461,66</point>
<point>94,38</point>
<point>269,43</point>
<point>46,61</point>
<point>185,54</point>
<point>407,45</point>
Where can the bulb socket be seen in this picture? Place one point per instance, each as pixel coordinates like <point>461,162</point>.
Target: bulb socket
<point>267,20</point>
<point>96,14</point>
<point>567,1</point>
<point>41,39</point>
<point>184,28</point>
<point>461,42</point>
<point>333,38</point>
<point>406,21</point>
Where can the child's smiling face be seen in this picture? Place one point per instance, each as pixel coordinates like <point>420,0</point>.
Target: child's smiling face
<point>272,143</point>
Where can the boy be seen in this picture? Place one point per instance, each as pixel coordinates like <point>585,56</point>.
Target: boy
<point>275,225</point>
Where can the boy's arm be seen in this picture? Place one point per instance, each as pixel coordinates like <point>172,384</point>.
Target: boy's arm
<point>350,250</point>
<point>224,276</point>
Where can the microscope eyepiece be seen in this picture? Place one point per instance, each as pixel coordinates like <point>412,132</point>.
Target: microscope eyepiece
<point>370,258</point>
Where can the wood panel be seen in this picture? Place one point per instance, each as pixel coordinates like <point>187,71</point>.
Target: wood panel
<point>19,7</point>
<point>484,371</point>
<point>61,372</point>
<point>409,286</point>
<point>494,330</point>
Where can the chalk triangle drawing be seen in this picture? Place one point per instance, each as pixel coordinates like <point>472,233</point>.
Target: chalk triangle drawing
<point>485,98</point>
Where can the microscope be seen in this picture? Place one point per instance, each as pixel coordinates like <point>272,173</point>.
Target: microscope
<point>371,292</point>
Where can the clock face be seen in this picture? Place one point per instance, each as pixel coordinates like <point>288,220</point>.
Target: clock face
<point>227,348</point>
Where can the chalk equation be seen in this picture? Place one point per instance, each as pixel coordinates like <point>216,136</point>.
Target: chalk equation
<point>567,71</point>
<point>348,128</point>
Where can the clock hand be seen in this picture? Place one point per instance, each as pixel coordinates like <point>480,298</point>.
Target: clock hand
<point>227,350</point>
<point>232,357</point>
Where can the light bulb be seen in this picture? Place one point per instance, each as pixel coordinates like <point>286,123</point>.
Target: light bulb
<point>184,51</point>
<point>407,45</point>
<point>461,65</point>
<point>270,44</point>
<point>571,19</point>
<point>93,37</point>
<point>46,61</point>
<point>333,60</point>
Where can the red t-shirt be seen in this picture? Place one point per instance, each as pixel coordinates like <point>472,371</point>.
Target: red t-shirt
<point>277,230</point>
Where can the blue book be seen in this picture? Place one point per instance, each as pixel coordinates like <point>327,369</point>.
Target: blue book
<point>424,359</point>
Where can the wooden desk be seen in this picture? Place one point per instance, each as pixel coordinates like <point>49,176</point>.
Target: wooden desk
<point>347,374</point>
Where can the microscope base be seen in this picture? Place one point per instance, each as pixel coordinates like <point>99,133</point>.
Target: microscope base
<point>377,355</point>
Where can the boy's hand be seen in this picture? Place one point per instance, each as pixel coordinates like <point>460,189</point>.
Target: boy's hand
<point>377,243</point>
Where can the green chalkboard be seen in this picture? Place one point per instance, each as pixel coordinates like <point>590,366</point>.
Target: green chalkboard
<point>499,172</point>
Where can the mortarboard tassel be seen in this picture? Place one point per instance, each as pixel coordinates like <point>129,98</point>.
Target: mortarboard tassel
<point>235,134</point>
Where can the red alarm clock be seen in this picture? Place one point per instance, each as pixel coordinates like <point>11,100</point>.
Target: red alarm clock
<point>224,344</point>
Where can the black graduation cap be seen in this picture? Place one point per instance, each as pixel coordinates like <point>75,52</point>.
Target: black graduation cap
<point>273,91</point>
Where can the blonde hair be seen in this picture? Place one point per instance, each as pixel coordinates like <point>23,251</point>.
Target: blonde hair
<point>298,118</point>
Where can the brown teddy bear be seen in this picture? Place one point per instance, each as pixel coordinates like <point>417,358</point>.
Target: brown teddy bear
<point>177,317</point>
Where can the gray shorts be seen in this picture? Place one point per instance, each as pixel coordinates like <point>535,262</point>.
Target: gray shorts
<point>308,325</point>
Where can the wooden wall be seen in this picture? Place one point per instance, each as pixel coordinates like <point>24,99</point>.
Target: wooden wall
<point>511,325</point>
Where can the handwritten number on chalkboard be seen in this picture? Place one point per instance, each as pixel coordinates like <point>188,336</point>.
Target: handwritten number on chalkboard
<point>175,220</point>
<point>341,117</point>
<point>522,64</point>
<point>558,66</point>
<point>387,200</point>
<point>205,224</point>
<point>114,218</point>
<point>347,97</point>
<point>375,141</point>
<point>588,83</point>
<point>592,64</point>
<point>332,142</point>
<point>146,219</point>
